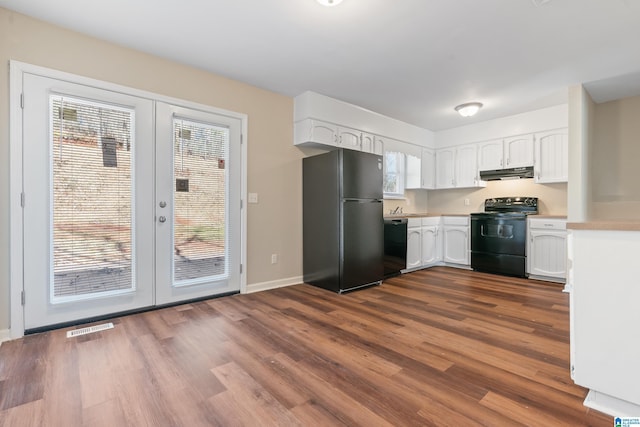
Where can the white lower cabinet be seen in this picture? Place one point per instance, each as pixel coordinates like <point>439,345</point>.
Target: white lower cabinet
<point>424,242</point>
<point>431,241</point>
<point>547,249</point>
<point>604,295</point>
<point>456,243</point>
<point>414,244</point>
<point>436,240</point>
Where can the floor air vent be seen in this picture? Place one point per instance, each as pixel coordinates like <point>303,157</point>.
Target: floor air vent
<point>89,330</point>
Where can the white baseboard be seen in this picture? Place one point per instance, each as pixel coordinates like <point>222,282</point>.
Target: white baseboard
<point>611,405</point>
<point>5,335</point>
<point>547,278</point>
<point>273,284</point>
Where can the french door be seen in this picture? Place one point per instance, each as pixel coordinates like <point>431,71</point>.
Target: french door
<point>197,203</point>
<point>128,202</point>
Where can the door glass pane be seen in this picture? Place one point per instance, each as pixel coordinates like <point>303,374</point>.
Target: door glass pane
<point>91,158</point>
<point>200,202</point>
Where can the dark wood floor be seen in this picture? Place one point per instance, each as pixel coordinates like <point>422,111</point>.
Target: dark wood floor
<point>441,347</point>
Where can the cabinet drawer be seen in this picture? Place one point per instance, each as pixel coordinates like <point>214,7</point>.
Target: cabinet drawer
<point>433,220</point>
<point>414,222</point>
<point>547,224</point>
<point>455,220</point>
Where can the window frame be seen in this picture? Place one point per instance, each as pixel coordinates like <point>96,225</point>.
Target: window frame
<point>399,173</point>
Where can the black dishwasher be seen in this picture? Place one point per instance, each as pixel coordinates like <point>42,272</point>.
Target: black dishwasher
<point>395,246</point>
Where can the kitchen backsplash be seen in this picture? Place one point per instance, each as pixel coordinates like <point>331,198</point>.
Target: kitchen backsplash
<point>552,198</point>
<point>414,201</point>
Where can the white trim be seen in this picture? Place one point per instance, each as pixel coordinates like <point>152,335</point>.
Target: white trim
<point>611,405</point>
<point>16,256</point>
<point>5,335</point>
<point>17,70</point>
<point>274,284</point>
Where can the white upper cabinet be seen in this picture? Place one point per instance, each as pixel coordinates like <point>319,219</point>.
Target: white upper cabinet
<point>552,157</point>
<point>490,155</point>
<point>349,138</point>
<point>466,166</point>
<point>445,168</point>
<point>428,169</point>
<point>518,151</point>
<point>413,172</point>
<point>312,131</point>
<point>372,144</point>
<point>315,131</point>
<point>421,172</point>
<point>380,143</point>
<point>457,167</point>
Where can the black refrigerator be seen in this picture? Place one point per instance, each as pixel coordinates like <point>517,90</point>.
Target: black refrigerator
<point>343,226</point>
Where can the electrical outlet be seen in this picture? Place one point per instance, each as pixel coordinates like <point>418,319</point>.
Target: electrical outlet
<point>253,197</point>
<point>466,202</point>
<point>274,258</point>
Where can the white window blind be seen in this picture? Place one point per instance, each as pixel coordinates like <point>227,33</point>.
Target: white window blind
<point>393,182</point>
<point>200,201</point>
<point>91,147</point>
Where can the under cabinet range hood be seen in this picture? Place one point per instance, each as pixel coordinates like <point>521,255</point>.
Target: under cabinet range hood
<point>512,173</point>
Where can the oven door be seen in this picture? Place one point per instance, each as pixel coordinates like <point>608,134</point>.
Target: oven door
<point>498,234</point>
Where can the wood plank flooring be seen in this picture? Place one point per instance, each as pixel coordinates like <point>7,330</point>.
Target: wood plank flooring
<point>438,347</point>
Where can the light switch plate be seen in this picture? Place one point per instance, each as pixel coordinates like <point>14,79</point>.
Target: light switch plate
<point>253,197</point>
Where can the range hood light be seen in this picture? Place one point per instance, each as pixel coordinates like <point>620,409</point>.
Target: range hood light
<point>468,109</point>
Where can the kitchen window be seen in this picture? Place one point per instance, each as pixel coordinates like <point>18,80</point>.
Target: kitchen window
<point>394,179</point>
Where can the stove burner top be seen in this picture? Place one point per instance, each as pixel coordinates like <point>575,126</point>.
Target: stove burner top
<point>524,205</point>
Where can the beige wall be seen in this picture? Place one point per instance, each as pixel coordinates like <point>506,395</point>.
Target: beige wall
<point>615,153</point>
<point>274,165</point>
<point>552,197</point>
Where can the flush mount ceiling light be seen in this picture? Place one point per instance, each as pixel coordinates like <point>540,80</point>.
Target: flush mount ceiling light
<point>468,109</point>
<point>329,2</point>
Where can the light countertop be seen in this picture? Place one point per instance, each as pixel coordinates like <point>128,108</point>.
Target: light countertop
<point>607,225</point>
<point>419,215</point>
<point>426,215</point>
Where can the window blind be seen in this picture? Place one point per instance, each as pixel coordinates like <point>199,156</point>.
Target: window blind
<point>91,156</point>
<point>201,153</point>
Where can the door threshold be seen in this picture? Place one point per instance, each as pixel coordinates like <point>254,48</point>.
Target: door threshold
<point>120,314</point>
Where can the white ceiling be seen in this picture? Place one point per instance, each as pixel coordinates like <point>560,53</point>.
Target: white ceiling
<point>413,60</point>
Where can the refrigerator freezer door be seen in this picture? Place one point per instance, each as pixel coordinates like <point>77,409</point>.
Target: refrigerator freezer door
<point>363,243</point>
<point>361,175</point>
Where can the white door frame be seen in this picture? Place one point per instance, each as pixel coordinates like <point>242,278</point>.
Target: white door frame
<point>16,224</point>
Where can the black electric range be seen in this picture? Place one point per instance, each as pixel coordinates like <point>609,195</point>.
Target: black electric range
<point>499,235</point>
